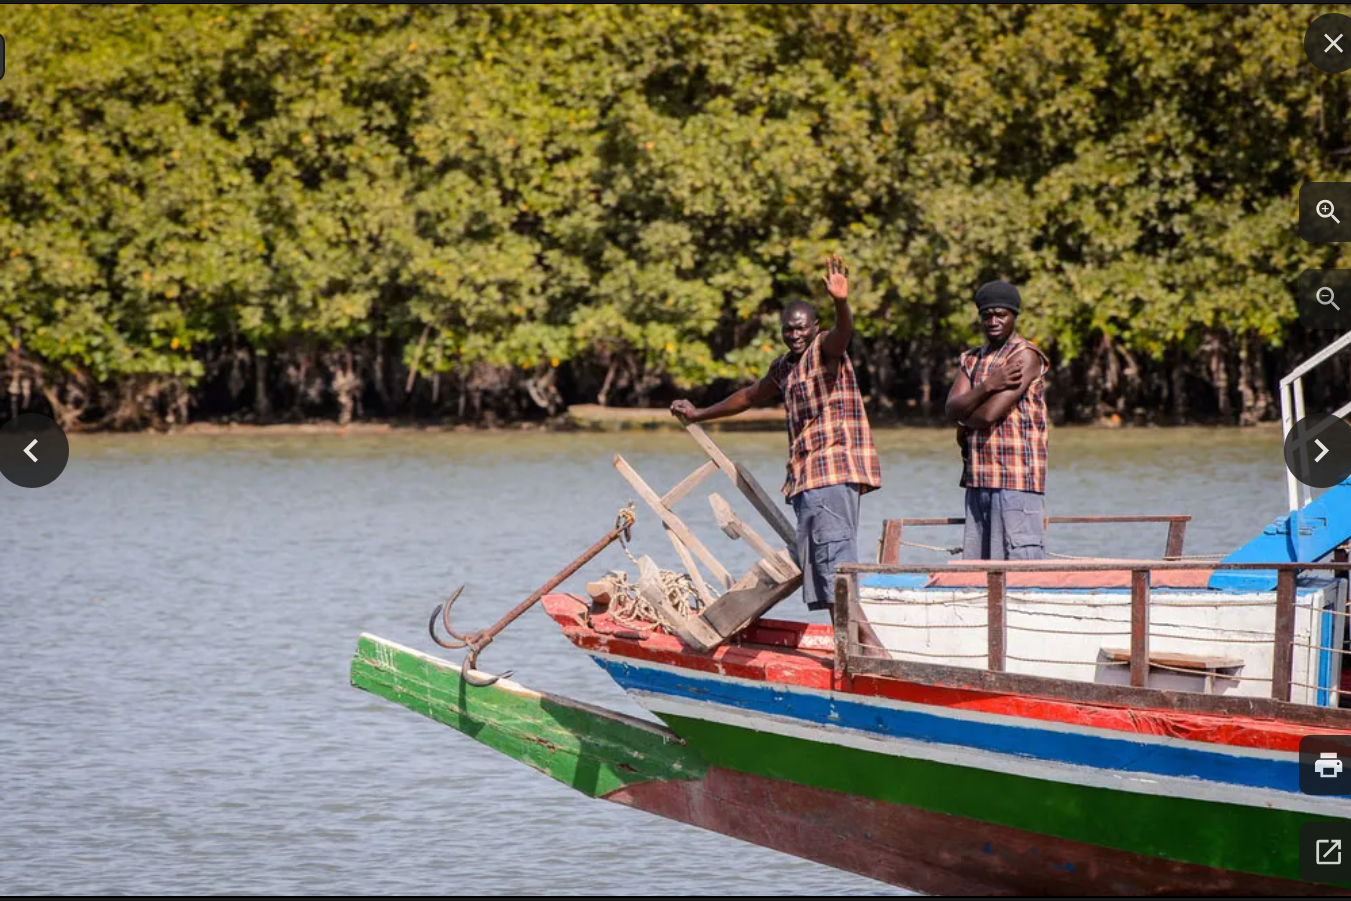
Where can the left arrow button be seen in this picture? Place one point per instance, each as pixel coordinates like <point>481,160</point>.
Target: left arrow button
<point>19,461</point>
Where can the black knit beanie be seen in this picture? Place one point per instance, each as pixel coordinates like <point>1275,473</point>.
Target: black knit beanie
<point>999,294</point>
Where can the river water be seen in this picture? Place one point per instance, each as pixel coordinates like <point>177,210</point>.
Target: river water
<point>178,614</point>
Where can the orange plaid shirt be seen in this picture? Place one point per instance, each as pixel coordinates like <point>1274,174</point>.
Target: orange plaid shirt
<point>829,439</point>
<point>1012,452</point>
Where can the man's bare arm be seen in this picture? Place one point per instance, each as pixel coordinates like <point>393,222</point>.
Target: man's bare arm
<point>963,399</point>
<point>762,393</point>
<point>836,343</point>
<point>999,405</point>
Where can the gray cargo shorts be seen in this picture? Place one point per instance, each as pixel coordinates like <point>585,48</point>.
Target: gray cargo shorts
<point>1004,524</point>
<point>827,534</point>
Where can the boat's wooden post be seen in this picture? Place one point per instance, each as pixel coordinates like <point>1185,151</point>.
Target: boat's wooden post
<point>996,625</point>
<point>846,592</point>
<point>1283,656</point>
<point>745,482</point>
<point>1177,533</point>
<point>1139,628</point>
<point>673,522</point>
<point>890,551</point>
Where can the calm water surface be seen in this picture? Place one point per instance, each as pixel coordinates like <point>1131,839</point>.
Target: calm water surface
<point>177,617</point>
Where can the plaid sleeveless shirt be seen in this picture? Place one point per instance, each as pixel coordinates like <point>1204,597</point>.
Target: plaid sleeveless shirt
<point>829,439</point>
<point>1011,453</point>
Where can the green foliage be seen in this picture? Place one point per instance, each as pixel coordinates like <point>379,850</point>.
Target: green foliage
<point>567,185</point>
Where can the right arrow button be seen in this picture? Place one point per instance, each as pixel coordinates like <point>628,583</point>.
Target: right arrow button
<point>1318,451</point>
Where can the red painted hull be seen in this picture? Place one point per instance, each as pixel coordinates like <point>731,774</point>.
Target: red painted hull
<point>802,655</point>
<point>929,852</point>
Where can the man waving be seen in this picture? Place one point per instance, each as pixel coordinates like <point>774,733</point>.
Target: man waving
<point>832,461</point>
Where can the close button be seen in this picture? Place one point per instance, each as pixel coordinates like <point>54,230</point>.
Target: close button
<point>33,450</point>
<point>1327,42</point>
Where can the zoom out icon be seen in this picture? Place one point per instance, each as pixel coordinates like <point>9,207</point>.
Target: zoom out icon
<point>1324,297</point>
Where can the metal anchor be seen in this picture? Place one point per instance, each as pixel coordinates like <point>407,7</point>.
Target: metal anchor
<point>477,641</point>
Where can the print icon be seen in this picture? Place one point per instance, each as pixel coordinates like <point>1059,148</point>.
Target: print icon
<point>1329,765</point>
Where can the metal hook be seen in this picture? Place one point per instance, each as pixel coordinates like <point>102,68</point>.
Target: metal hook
<point>471,673</point>
<point>443,611</point>
<point>477,641</point>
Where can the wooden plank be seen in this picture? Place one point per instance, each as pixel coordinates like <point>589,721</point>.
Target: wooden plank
<point>754,576</point>
<point>1177,533</point>
<point>746,484</point>
<point>593,750</point>
<point>696,578</point>
<point>734,610</point>
<point>772,511</point>
<point>846,600</point>
<point>1050,566</point>
<point>1139,628</point>
<point>1166,517</point>
<point>996,626</point>
<point>690,629</point>
<point>735,527</point>
<point>759,574</point>
<point>714,452</point>
<point>890,551</point>
<point>672,521</point>
<point>980,679</point>
<point>688,484</point>
<point>1202,664</point>
<point>1283,652</point>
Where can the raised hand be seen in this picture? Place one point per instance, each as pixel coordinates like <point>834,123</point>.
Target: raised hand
<point>836,278</point>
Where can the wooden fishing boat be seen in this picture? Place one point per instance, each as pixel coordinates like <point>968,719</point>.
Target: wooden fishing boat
<point>1083,727</point>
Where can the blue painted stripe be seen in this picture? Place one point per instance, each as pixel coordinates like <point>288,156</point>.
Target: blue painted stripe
<point>895,580</point>
<point>1326,648</point>
<point>1095,751</point>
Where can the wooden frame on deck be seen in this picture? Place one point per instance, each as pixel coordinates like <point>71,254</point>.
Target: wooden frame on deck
<point>850,661</point>
<point>889,549</point>
<point>773,577</point>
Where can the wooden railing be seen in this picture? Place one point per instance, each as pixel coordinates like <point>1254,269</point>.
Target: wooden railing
<point>849,659</point>
<point>889,551</point>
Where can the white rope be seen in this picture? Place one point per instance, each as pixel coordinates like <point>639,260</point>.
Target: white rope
<point>1329,688</point>
<point>1013,628</point>
<point>1067,662</point>
<point>928,625</point>
<point>1314,647</point>
<point>933,547</point>
<point>1266,640</point>
<point>893,652</point>
<point>631,609</point>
